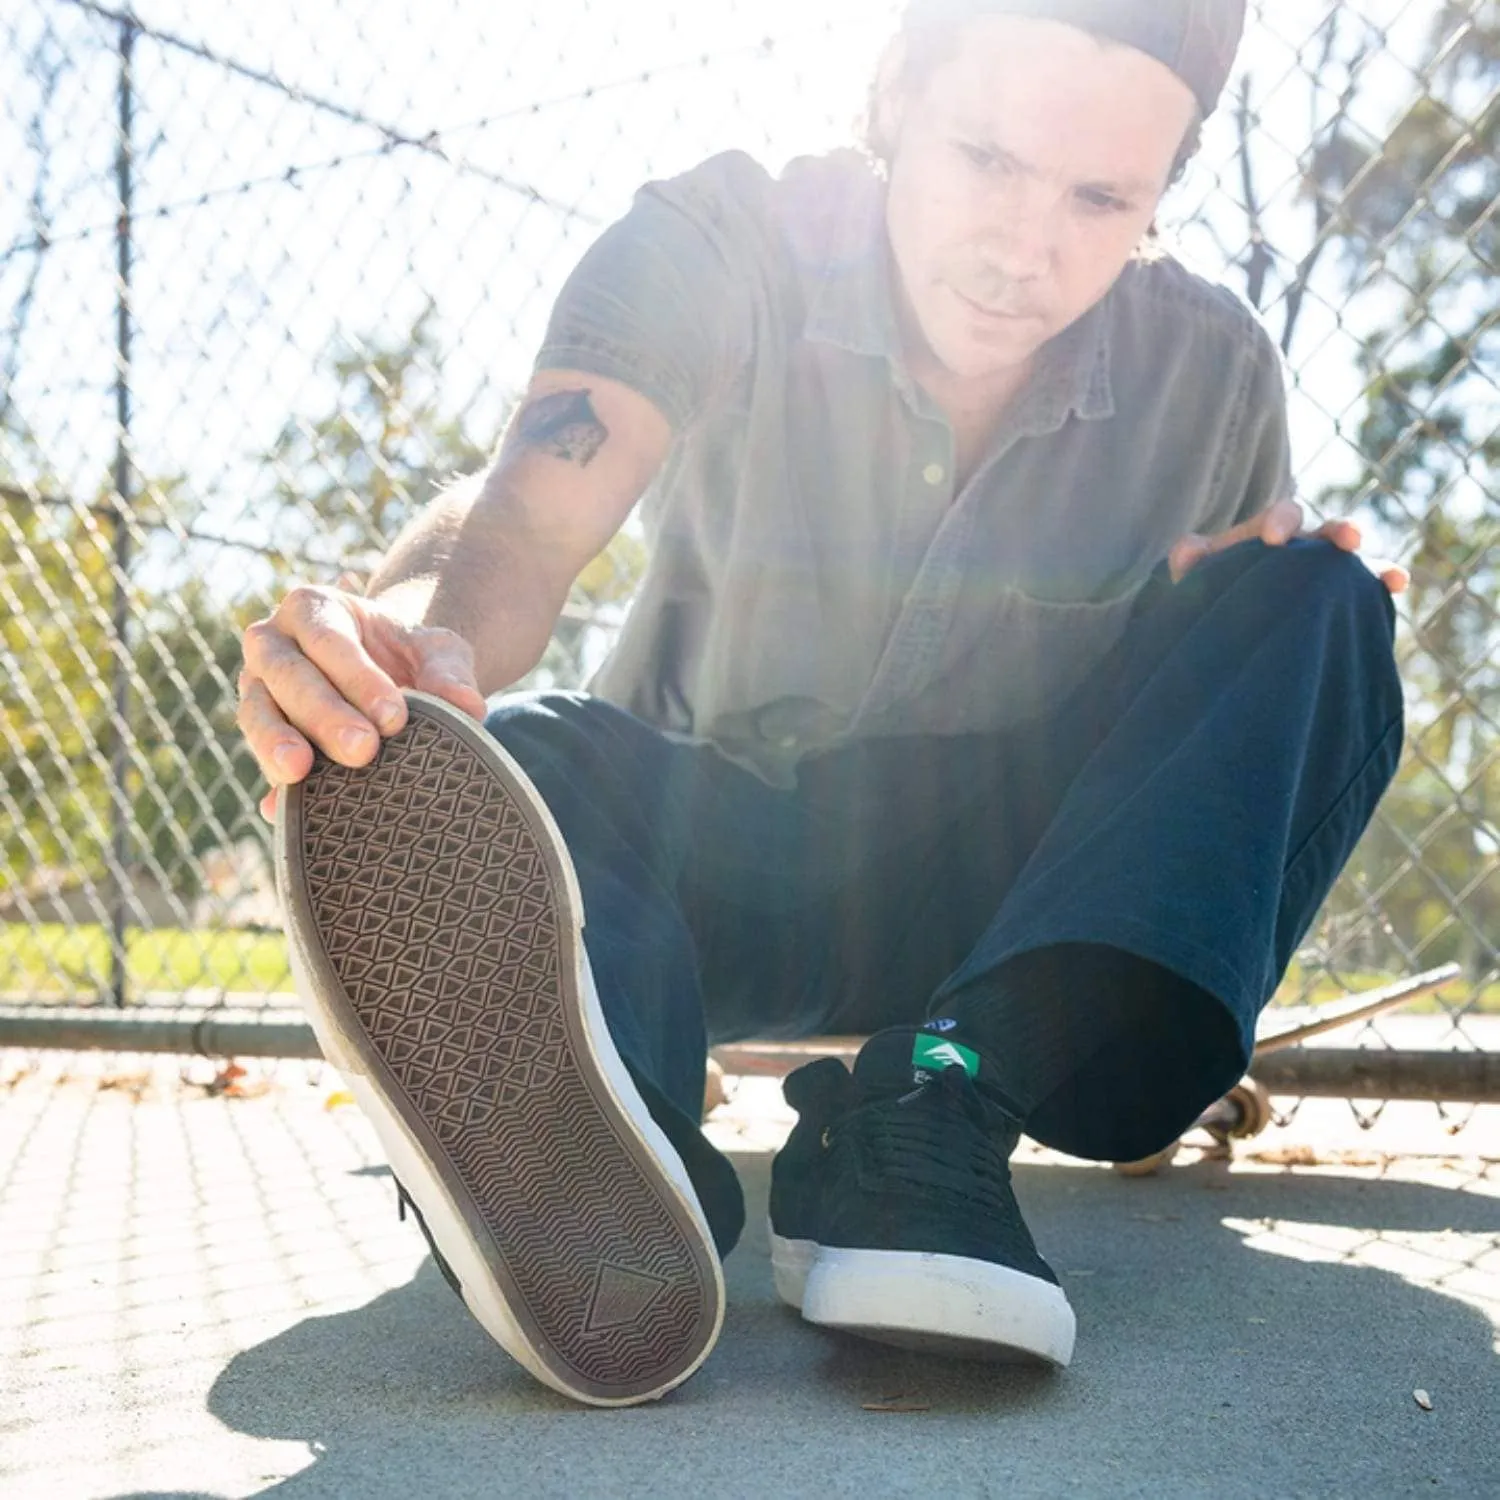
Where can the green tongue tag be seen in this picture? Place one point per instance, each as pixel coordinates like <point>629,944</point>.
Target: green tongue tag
<point>931,1054</point>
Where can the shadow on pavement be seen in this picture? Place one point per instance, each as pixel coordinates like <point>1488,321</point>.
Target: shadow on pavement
<point>1241,1335</point>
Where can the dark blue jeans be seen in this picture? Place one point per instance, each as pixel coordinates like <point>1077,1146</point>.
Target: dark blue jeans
<point>1191,804</point>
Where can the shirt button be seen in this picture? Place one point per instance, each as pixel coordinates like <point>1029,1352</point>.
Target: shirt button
<point>934,474</point>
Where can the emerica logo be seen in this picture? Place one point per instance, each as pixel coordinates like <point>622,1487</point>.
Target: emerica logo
<point>929,1055</point>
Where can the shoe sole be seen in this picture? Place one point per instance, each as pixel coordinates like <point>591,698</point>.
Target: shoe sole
<point>435,931</point>
<point>941,1304</point>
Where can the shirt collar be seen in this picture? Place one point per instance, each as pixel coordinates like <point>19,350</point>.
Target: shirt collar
<point>851,305</point>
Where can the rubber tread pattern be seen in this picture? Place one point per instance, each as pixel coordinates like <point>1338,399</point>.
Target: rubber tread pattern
<point>434,904</point>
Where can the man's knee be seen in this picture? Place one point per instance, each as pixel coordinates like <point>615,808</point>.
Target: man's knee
<point>546,732</point>
<point>520,712</point>
<point>1315,568</point>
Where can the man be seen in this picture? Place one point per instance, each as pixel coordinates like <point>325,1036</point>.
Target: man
<point>980,697</point>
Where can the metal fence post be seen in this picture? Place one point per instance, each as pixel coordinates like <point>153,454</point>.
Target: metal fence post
<point>120,517</point>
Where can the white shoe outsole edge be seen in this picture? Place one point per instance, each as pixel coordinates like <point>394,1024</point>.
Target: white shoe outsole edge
<point>945,1303</point>
<point>443,1217</point>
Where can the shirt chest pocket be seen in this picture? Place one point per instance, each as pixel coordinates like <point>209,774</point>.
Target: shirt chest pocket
<point>1020,658</point>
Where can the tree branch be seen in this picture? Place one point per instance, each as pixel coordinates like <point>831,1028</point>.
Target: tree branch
<point>48,72</point>
<point>1323,215</point>
<point>105,511</point>
<point>1259,260</point>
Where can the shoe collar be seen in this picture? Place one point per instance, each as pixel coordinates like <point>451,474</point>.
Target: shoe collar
<point>903,1061</point>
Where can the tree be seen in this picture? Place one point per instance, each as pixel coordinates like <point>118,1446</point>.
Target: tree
<point>54,575</point>
<point>347,481</point>
<point>80,783</point>
<point>1405,227</point>
<point>187,778</point>
<point>190,784</point>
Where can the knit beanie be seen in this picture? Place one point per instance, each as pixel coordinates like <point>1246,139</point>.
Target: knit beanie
<point>1196,39</point>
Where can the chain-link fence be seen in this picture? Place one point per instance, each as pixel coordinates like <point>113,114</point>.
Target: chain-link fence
<point>269,273</point>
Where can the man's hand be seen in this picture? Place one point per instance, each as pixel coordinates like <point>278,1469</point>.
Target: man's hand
<point>1275,527</point>
<point>326,668</point>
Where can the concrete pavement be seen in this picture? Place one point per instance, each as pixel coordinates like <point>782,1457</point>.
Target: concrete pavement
<point>210,1295</point>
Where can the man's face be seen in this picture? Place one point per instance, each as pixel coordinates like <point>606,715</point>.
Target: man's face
<point>1022,178</point>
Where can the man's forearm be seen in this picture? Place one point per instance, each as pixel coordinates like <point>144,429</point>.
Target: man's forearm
<point>493,558</point>
<point>465,564</point>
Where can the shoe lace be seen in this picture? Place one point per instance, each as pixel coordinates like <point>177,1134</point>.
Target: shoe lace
<point>404,1200</point>
<point>943,1136</point>
<point>955,1086</point>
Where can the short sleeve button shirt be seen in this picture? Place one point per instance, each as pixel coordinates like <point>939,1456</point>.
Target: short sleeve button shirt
<point>815,574</point>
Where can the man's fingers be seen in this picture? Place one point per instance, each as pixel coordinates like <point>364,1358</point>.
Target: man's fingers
<point>1346,534</point>
<point>1184,554</point>
<point>1342,533</point>
<point>306,698</point>
<point>445,668</point>
<point>1279,524</point>
<point>281,753</point>
<point>1275,525</point>
<point>312,680</point>
<point>1196,548</point>
<point>462,695</point>
<point>328,630</point>
<point>268,805</point>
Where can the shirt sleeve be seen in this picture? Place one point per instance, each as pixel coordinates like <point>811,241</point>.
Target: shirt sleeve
<point>1263,466</point>
<point>663,301</point>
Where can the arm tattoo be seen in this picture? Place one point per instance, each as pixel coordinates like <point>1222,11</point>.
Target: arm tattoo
<point>565,425</point>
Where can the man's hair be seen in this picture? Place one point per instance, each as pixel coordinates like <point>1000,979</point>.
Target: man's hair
<point>928,44</point>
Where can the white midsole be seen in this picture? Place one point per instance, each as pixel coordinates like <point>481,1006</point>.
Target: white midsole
<point>791,1260</point>
<point>441,1214</point>
<point>945,1297</point>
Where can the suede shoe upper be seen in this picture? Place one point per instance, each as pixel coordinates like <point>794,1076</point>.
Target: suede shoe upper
<point>910,1152</point>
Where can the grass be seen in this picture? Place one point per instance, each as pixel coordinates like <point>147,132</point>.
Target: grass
<point>56,961</point>
<point>53,960</point>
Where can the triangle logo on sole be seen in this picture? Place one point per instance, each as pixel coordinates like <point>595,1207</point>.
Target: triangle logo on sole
<point>620,1296</point>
